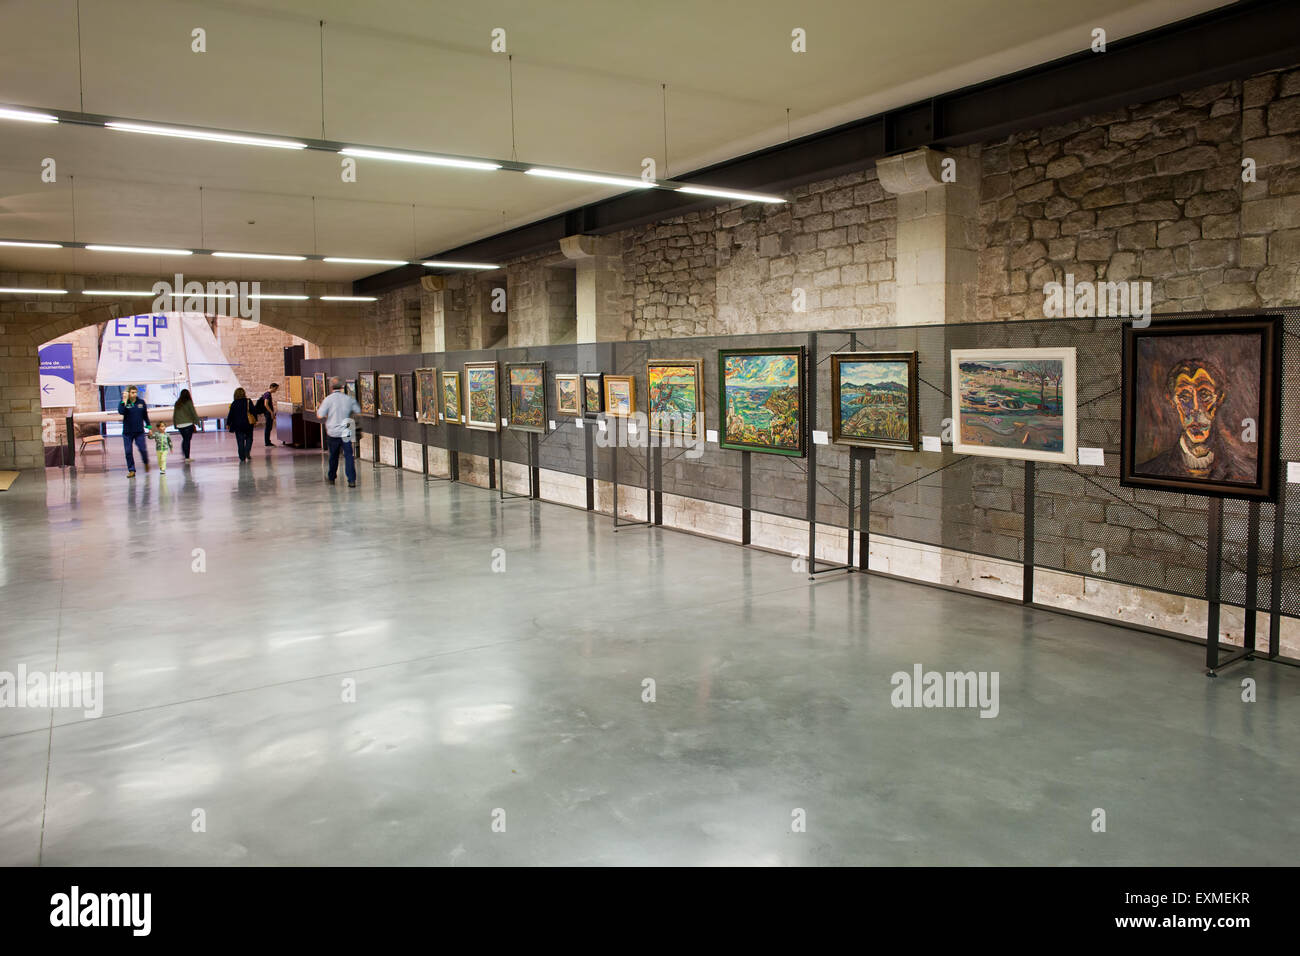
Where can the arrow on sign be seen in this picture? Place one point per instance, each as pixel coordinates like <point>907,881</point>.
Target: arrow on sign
<point>47,389</point>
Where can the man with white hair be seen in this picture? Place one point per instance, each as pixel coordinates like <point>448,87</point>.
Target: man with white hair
<point>337,413</point>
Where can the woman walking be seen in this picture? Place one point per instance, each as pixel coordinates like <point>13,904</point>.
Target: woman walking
<point>186,418</point>
<point>240,422</point>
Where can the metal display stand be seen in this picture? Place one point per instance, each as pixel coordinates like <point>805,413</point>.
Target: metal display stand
<point>1027,592</point>
<point>810,417</point>
<point>424,447</point>
<point>860,460</point>
<point>619,525</point>
<point>500,465</point>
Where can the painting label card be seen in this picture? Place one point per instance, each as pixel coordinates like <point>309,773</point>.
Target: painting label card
<point>931,443</point>
<point>711,436</point>
<point>821,438</point>
<point>1092,456</point>
<point>631,428</point>
<point>505,423</point>
<point>1293,472</point>
<point>601,424</point>
<point>552,426</point>
<point>578,422</point>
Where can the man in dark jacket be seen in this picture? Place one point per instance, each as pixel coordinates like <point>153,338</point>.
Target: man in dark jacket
<point>135,421</point>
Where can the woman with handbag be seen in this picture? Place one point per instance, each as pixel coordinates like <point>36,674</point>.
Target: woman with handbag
<point>186,418</point>
<point>240,421</point>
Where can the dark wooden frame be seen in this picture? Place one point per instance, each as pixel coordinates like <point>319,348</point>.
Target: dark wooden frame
<point>1270,331</point>
<point>799,351</point>
<point>419,396</point>
<point>913,441</point>
<point>369,377</point>
<point>455,376</point>
<point>405,409</point>
<point>600,389</point>
<point>397,395</point>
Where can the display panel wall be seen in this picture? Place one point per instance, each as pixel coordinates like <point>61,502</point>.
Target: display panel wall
<point>1084,521</point>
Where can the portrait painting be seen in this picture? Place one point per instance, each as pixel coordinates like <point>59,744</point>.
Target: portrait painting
<point>1014,403</point>
<point>366,392</point>
<point>527,384</point>
<point>406,395</point>
<point>388,395</point>
<point>1201,405</point>
<point>873,399</point>
<point>761,394</point>
<point>620,395</point>
<point>451,411</point>
<point>593,394</point>
<point>426,395</point>
<point>481,395</point>
<point>568,395</point>
<point>673,391</point>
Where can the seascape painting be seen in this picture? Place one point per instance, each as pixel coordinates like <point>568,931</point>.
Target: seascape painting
<point>1014,403</point>
<point>761,394</point>
<point>674,395</point>
<point>527,396</point>
<point>873,399</point>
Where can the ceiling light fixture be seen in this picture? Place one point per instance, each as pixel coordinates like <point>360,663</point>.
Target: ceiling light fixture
<point>448,264</point>
<point>26,116</point>
<point>591,178</point>
<point>729,194</point>
<point>367,262</point>
<point>15,291</point>
<point>31,245</point>
<point>348,298</point>
<point>211,136</point>
<point>141,250</point>
<point>259,255</point>
<point>424,159</point>
<point>296,298</point>
<point>121,292</point>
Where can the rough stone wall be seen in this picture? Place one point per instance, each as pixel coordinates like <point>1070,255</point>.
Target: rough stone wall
<point>1151,192</point>
<point>256,352</point>
<point>394,322</point>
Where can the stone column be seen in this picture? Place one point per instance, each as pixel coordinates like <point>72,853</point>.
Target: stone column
<point>938,235</point>
<point>444,322</point>
<point>600,287</point>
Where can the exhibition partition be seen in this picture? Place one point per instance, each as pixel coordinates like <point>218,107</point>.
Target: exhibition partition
<point>1080,519</point>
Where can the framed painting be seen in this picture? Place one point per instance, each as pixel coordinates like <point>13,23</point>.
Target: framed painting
<point>321,387</point>
<point>451,410</point>
<point>527,384</point>
<point>568,395</point>
<point>406,395</point>
<point>309,393</point>
<point>387,392</point>
<point>620,395</point>
<point>481,396</point>
<point>673,391</point>
<point>295,389</point>
<point>873,399</point>
<point>1014,403</point>
<point>350,386</point>
<point>593,394</point>
<point>426,395</point>
<point>761,398</point>
<point>366,392</point>
<point>1201,406</point>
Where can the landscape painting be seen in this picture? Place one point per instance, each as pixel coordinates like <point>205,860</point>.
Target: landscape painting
<point>1014,403</point>
<point>1201,405</point>
<point>366,392</point>
<point>673,387</point>
<point>593,394</point>
<point>481,392</point>
<point>426,395</point>
<point>620,395</point>
<point>527,383</point>
<point>761,396</point>
<point>388,395</point>
<point>451,397</point>
<point>568,395</point>
<point>873,399</point>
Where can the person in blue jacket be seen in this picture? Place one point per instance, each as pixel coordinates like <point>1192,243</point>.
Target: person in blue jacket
<point>135,422</point>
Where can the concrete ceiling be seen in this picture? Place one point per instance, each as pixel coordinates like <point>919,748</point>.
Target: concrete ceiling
<point>587,78</point>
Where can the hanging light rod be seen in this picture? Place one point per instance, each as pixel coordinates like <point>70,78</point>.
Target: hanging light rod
<point>418,157</point>
<point>278,256</point>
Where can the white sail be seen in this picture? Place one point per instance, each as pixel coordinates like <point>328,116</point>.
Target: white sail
<point>166,352</point>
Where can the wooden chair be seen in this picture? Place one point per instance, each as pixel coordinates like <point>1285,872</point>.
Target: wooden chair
<point>91,435</point>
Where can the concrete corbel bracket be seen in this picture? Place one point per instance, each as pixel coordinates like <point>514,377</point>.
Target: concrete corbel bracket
<point>912,172</point>
<point>588,247</point>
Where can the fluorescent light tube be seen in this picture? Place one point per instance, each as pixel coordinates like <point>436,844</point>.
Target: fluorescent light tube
<point>142,250</point>
<point>114,292</point>
<point>348,298</point>
<point>729,194</point>
<point>238,139</point>
<point>31,245</point>
<point>35,291</point>
<point>447,264</point>
<point>590,178</point>
<point>367,262</point>
<point>425,159</point>
<point>259,255</point>
<point>272,296</point>
<point>26,116</point>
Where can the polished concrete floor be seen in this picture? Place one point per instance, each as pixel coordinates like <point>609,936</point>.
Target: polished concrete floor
<point>516,695</point>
